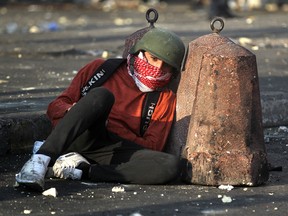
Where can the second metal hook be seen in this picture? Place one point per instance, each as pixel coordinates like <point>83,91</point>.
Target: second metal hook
<point>152,19</point>
<point>212,25</point>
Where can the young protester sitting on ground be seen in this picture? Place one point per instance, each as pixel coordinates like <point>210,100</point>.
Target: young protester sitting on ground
<point>98,132</point>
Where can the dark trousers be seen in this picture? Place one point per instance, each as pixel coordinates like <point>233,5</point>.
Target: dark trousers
<point>112,158</point>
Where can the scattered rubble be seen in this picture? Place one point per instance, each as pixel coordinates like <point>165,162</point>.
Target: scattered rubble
<point>118,189</point>
<point>50,192</point>
<point>277,134</point>
<point>226,199</point>
<point>27,211</point>
<point>226,187</point>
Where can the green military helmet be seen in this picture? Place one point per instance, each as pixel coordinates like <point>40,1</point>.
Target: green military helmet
<point>164,45</point>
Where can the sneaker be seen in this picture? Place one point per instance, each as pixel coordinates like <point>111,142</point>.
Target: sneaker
<point>74,174</point>
<point>33,172</point>
<point>65,166</point>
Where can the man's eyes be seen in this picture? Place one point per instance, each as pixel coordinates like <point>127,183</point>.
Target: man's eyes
<point>154,58</point>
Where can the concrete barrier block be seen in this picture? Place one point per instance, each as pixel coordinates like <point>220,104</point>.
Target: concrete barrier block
<point>219,117</point>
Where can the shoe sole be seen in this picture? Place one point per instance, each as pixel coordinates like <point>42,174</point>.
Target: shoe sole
<point>33,186</point>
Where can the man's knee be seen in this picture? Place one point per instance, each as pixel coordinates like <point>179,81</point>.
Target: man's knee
<point>101,94</point>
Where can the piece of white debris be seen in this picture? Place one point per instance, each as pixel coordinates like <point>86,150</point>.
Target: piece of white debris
<point>27,211</point>
<point>245,41</point>
<point>50,192</point>
<point>283,129</point>
<point>89,184</point>
<point>213,211</point>
<point>105,54</point>
<point>226,199</point>
<point>225,187</point>
<point>136,214</point>
<point>118,189</point>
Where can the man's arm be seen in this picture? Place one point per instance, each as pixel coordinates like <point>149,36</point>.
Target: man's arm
<point>61,105</point>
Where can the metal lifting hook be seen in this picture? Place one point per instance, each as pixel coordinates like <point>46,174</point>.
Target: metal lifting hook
<point>212,25</point>
<point>151,19</point>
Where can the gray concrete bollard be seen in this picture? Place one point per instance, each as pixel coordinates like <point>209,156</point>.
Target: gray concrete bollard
<point>219,117</point>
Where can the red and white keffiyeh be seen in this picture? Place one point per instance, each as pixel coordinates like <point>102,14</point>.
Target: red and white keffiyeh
<point>146,76</point>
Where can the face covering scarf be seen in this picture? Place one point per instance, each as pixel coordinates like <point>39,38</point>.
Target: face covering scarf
<point>146,76</point>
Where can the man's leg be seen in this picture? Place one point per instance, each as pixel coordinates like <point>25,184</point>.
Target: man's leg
<point>126,162</point>
<point>82,126</point>
<point>79,124</point>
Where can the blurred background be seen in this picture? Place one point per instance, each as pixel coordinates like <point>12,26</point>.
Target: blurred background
<point>238,5</point>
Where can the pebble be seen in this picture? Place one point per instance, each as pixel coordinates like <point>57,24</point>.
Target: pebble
<point>50,192</point>
<point>118,189</point>
<point>226,199</point>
